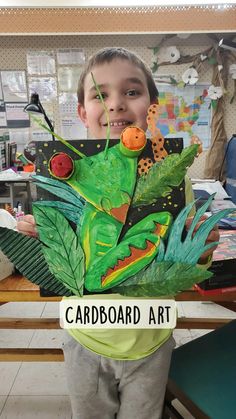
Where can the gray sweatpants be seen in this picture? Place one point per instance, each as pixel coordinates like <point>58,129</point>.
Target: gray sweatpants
<point>103,388</point>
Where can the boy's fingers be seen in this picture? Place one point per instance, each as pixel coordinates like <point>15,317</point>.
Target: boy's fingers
<point>29,219</point>
<point>27,226</point>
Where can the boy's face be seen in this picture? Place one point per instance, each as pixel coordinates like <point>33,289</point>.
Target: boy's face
<point>124,88</point>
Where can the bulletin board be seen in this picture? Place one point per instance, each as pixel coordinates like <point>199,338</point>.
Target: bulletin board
<point>13,56</point>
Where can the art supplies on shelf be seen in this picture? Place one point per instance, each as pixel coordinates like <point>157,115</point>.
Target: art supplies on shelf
<point>19,214</point>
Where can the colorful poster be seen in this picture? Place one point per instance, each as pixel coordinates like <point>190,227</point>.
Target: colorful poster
<point>185,111</point>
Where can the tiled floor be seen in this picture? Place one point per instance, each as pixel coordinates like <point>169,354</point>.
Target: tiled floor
<point>31,390</point>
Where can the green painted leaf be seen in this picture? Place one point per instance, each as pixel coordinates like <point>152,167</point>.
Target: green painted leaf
<point>60,189</point>
<point>162,177</point>
<point>162,279</point>
<point>27,255</point>
<point>71,212</point>
<point>61,248</point>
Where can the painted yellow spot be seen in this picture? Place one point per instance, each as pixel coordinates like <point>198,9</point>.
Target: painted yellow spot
<point>104,244</point>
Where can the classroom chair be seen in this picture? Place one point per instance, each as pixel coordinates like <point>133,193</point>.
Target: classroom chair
<point>203,376</point>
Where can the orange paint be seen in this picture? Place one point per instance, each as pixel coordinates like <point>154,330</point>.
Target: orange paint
<point>135,255</point>
<point>120,213</point>
<point>133,138</point>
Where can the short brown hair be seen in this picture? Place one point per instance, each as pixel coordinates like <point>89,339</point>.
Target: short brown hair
<point>106,55</point>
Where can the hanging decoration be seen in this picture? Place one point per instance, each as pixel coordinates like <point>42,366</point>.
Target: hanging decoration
<point>190,76</point>
<point>215,93</point>
<point>170,54</point>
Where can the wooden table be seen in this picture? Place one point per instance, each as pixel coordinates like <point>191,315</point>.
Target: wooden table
<point>16,288</point>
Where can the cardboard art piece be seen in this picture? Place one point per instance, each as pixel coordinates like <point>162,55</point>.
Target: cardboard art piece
<point>115,228</point>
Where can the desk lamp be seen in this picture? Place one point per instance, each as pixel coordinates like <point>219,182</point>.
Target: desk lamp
<point>35,106</point>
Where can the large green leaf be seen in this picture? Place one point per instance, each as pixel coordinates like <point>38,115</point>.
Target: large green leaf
<point>162,177</point>
<point>71,212</point>
<point>60,189</point>
<point>27,256</point>
<point>162,279</point>
<point>62,249</point>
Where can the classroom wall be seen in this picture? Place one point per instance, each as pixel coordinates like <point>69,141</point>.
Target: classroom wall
<point>13,51</point>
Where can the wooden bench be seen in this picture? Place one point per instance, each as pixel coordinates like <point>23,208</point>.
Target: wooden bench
<point>16,288</point>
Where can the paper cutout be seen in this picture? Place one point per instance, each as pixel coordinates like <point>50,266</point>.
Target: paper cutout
<point>190,76</point>
<point>102,252</point>
<point>215,92</point>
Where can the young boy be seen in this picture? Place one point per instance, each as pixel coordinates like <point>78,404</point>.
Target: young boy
<point>116,373</point>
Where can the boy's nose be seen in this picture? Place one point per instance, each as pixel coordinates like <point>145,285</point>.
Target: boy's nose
<point>116,104</point>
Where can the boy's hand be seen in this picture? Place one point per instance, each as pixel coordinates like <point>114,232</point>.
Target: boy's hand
<point>213,236</point>
<point>27,226</point>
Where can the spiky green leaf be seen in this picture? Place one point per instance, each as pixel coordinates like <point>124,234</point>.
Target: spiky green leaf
<point>62,249</point>
<point>162,177</point>
<point>190,250</point>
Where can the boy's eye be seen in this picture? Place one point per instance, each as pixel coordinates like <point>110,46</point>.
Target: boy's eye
<point>102,94</point>
<point>132,92</point>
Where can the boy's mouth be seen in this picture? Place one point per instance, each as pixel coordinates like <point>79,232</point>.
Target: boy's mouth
<point>118,123</point>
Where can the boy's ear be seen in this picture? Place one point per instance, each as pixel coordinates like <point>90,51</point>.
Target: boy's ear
<point>82,114</point>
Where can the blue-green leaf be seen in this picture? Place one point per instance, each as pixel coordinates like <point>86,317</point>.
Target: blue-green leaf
<point>60,189</point>
<point>71,212</point>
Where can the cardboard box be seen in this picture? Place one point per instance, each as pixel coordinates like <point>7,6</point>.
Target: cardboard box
<point>6,267</point>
